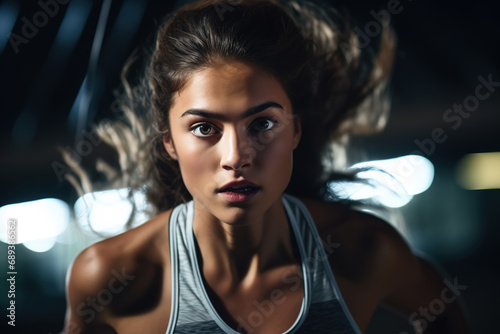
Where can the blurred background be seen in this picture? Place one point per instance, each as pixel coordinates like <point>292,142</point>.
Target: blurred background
<point>60,62</point>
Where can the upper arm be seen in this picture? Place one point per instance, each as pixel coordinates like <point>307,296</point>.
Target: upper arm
<point>117,276</point>
<point>86,278</point>
<point>430,301</point>
<point>375,265</point>
<point>414,288</point>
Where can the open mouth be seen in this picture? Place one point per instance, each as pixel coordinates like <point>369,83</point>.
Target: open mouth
<point>247,189</point>
<point>239,192</point>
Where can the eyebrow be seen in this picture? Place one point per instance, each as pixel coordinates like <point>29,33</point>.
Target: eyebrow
<point>213,115</point>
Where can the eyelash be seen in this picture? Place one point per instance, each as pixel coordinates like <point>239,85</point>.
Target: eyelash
<point>199,125</point>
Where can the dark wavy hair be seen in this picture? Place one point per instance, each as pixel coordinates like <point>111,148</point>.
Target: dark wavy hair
<point>336,87</point>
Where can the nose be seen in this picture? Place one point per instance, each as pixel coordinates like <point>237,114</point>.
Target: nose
<point>237,151</point>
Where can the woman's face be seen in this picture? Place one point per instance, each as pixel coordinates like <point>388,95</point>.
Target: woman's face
<point>233,123</point>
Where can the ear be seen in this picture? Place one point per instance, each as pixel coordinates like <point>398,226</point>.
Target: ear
<point>297,132</point>
<point>168,143</point>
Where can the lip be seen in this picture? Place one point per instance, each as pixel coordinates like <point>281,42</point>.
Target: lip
<point>238,196</point>
<point>237,184</point>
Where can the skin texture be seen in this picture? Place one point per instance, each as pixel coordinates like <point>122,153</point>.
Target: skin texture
<point>246,248</point>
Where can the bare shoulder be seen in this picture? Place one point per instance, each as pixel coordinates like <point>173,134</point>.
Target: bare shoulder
<point>373,264</point>
<point>370,260</point>
<point>370,250</point>
<point>127,250</point>
<point>101,274</point>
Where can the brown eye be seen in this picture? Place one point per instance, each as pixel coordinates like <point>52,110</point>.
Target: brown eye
<point>263,124</point>
<point>203,130</point>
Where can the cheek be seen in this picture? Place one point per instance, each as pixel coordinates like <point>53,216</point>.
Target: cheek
<point>277,157</point>
<point>194,160</point>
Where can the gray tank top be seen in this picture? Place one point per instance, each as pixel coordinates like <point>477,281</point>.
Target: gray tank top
<point>323,309</point>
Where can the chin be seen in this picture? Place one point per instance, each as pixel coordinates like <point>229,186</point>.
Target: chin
<point>240,213</point>
<point>237,216</point>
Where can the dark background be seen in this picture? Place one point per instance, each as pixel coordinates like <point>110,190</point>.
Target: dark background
<point>443,48</point>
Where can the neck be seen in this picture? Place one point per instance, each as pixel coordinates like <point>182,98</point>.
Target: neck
<point>240,252</point>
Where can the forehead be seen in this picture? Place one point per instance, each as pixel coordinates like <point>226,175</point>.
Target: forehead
<point>229,88</point>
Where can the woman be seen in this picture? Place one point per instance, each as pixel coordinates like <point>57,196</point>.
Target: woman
<point>246,99</point>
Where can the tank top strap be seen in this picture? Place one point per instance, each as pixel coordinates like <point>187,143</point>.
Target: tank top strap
<point>328,312</point>
<point>322,310</point>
